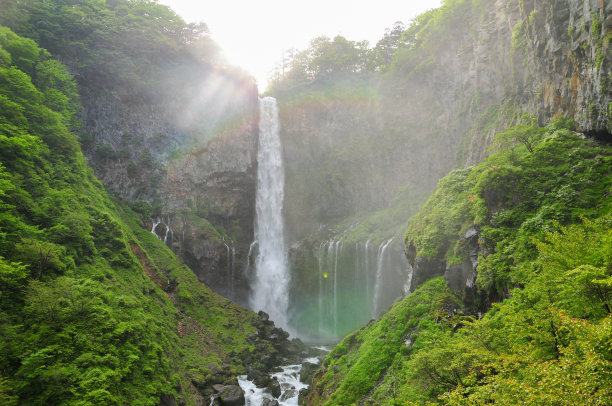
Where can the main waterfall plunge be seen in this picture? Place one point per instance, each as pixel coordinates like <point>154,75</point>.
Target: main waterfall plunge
<point>335,287</point>
<point>270,290</point>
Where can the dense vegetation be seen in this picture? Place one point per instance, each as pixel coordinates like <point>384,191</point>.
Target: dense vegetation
<point>124,47</point>
<point>542,206</point>
<point>539,178</point>
<point>94,309</point>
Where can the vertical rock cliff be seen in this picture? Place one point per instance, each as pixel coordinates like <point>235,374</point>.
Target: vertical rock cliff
<point>464,73</point>
<point>188,164</point>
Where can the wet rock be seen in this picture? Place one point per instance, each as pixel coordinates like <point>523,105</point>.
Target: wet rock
<point>260,379</point>
<point>317,352</point>
<point>269,402</point>
<point>461,278</point>
<point>230,395</point>
<point>274,387</point>
<point>425,269</point>
<point>288,394</point>
<point>302,396</point>
<point>308,371</point>
<point>265,318</point>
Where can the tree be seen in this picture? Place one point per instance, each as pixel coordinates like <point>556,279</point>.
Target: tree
<point>386,47</point>
<point>527,132</point>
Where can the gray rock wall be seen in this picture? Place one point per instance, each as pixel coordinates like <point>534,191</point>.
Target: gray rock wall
<point>506,58</point>
<point>191,161</point>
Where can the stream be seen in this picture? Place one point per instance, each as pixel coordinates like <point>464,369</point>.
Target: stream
<point>288,379</point>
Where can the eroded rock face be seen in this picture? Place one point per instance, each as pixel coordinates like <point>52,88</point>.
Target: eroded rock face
<point>229,395</point>
<point>188,164</point>
<point>349,155</point>
<point>570,53</point>
<point>461,278</point>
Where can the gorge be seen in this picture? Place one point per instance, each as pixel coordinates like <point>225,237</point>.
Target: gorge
<point>435,208</point>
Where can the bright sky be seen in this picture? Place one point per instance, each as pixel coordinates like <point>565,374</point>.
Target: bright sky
<point>253,34</point>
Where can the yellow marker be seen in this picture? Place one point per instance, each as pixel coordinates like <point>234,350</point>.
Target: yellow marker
<point>325,274</point>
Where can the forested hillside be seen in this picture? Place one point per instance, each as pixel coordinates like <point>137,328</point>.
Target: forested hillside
<point>94,309</point>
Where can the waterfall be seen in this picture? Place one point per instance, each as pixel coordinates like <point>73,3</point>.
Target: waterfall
<point>321,276</point>
<point>230,258</point>
<point>156,222</point>
<point>380,262</point>
<point>270,288</point>
<point>338,249</point>
<point>232,268</point>
<point>356,282</point>
<point>168,231</point>
<point>366,267</point>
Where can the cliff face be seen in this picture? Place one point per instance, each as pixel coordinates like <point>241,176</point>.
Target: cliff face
<point>188,164</point>
<point>457,83</point>
<point>553,60</point>
<point>569,48</point>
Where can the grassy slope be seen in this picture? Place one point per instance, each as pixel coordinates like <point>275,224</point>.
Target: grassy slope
<point>94,309</point>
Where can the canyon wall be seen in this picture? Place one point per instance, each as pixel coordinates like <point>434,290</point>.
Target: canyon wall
<point>358,145</point>
<point>188,164</point>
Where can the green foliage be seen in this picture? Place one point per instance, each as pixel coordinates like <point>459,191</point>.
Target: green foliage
<point>123,46</point>
<point>541,205</point>
<point>526,133</point>
<point>547,344</point>
<point>538,177</point>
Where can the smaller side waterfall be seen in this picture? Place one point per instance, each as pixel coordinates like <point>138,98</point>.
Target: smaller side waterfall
<point>355,282</point>
<point>380,262</point>
<point>168,230</point>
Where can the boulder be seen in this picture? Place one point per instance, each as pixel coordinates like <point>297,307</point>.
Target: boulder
<point>274,387</point>
<point>288,394</point>
<point>259,378</point>
<point>307,372</point>
<point>229,395</point>
<point>302,395</point>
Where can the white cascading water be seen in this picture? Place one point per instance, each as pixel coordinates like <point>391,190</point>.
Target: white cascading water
<point>270,288</point>
<point>379,275</point>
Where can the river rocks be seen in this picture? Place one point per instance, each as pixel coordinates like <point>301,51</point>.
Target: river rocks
<point>269,402</point>
<point>229,395</point>
<point>307,372</point>
<point>259,378</point>
<point>288,394</point>
<point>274,387</point>
<point>302,395</point>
